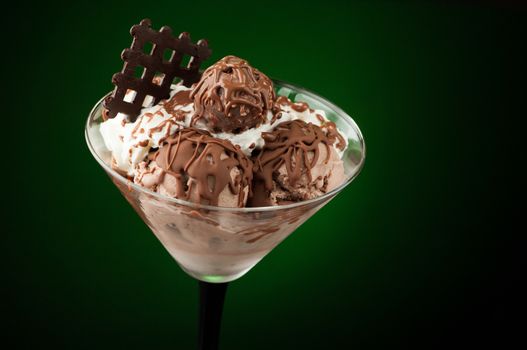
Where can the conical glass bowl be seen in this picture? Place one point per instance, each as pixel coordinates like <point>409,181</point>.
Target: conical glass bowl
<point>219,244</point>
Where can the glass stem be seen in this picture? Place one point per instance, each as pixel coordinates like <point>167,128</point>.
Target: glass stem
<point>211,297</point>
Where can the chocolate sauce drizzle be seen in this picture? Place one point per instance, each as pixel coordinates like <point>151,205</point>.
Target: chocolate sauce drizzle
<point>291,144</point>
<point>328,126</point>
<point>181,98</point>
<point>203,163</point>
<point>333,134</point>
<point>232,96</point>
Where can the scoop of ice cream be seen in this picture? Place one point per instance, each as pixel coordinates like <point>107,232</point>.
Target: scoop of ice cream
<point>194,166</point>
<point>298,162</point>
<point>232,96</point>
<point>288,110</point>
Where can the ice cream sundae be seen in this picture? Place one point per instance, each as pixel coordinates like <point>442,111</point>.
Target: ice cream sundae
<point>225,139</point>
<point>221,163</point>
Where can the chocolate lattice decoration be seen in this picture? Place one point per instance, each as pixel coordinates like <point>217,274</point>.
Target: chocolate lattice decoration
<point>158,73</point>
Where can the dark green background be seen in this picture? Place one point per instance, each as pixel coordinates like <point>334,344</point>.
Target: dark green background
<point>409,254</point>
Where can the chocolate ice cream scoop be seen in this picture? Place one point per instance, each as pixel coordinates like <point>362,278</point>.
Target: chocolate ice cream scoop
<point>232,96</point>
<point>298,162</point>
<point>194,166</point>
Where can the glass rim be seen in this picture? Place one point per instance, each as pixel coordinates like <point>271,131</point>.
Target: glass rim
<point>315,96</point>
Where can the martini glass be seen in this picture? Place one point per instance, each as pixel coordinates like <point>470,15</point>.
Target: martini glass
<point>217,245</point>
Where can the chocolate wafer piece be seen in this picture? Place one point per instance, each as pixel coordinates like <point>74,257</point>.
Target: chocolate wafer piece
<point>158,73</point>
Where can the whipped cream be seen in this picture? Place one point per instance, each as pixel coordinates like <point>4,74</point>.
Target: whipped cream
<point>251,139</point>
<point>130,142</point>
